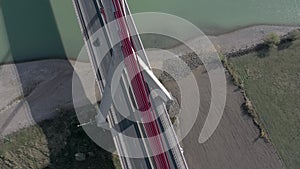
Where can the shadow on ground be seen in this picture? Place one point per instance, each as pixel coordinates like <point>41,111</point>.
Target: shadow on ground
<point>33,33</point>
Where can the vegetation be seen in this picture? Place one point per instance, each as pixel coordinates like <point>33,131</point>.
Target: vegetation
<point>54,144</point>
<point>173,119</point>
<point>294,35</point>
<point>248,106</point>
<point>272,40</point>
<point>272,84</point>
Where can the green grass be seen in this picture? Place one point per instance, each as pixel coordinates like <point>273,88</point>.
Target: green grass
<point>271,80</point>
<point>53,144</point>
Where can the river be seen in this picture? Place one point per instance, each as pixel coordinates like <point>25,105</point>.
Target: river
<point>39,29</point>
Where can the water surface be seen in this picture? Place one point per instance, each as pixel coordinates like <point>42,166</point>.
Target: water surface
<point>39,29</point>
<point>217,16</point>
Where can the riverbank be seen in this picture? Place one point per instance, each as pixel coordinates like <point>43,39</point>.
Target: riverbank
<point>247,37</point>
<point>230,42</point>
<point>20,80</point>
<point>44,88</point>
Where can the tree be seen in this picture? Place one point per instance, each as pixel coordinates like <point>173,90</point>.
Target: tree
<point>294,35</point>
<point>272,39</point>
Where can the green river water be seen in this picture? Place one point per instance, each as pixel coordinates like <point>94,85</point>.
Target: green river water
<point>40,29</point>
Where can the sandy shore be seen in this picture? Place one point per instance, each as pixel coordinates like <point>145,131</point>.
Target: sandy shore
<point>32,92</point>
<point>230,42</point>
<point>246,37</point>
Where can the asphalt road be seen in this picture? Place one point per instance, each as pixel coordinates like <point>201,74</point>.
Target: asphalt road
<point>91,21</point>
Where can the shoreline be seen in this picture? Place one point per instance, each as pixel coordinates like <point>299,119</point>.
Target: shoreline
<point>225,42</point>
<point>239,28</point>
<point>56,76</point>
<point>62,69</point>
<point>247,37</point>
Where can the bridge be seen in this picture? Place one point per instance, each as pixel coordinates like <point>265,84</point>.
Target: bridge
<point>115,50</point>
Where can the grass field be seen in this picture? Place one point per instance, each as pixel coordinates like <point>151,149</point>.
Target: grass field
<point>271,80</point>
<point>53,144</point>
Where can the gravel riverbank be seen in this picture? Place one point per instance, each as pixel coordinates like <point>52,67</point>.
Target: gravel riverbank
<point>247,37</point>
